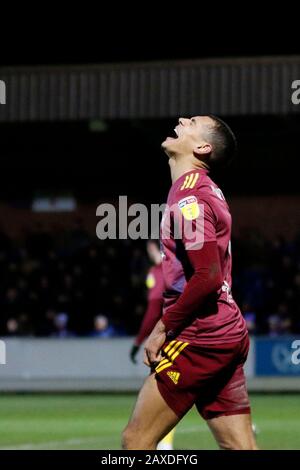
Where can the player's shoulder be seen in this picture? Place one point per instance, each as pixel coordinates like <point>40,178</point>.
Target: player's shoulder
<point>196,183</point>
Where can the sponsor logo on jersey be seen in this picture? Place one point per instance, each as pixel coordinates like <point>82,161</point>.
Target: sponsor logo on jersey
<point>189,207</point>
<point>226,288</point>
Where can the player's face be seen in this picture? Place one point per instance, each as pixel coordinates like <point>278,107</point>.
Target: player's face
<point>189,134</point>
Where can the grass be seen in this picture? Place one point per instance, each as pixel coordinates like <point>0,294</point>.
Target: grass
<point>95,422</point>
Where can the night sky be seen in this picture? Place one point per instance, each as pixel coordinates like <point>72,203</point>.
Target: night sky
<point>140,36</point>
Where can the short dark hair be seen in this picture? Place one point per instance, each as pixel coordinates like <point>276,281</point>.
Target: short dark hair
<point>224,143</point>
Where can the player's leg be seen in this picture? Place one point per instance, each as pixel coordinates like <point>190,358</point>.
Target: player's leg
<point>228,412</point>
<point>233,432</point>
<point>225,403</point>
<point>151,420</point>
<point>167,442</point>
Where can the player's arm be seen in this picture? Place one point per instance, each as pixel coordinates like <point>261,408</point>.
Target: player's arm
<point>205,281</point>
<point>151,317</point>
<point>203,255</point>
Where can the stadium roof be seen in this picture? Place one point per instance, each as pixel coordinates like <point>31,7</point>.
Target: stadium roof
<point>229,87</point>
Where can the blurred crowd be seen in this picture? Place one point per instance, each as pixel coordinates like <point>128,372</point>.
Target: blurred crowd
<point>66,283</point>
<point>266,282</point>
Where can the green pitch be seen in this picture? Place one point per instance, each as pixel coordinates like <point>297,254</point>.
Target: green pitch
<point>96,421</point>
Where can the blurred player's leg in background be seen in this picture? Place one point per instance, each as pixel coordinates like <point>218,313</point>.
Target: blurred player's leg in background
<point>151,420</point>
<point>167,442</point>
<point>233,432</point>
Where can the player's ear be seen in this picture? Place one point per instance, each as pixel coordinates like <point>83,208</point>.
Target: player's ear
<point>202,151</point>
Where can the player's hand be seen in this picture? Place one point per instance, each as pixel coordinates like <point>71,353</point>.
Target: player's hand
<point>153,345</point>
<point>133,352</point>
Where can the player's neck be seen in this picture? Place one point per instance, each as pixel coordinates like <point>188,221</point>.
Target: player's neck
<point>181,166</point>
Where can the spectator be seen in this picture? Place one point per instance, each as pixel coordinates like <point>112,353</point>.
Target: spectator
<point>102,328</point>
<point>70,271</point>
<point>61,326</point>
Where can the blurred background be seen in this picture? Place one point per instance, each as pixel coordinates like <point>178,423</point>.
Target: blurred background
<point>54,175</point>
<point>75,136</point>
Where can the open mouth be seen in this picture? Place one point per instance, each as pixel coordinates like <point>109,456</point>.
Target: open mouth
<point>174,137</point>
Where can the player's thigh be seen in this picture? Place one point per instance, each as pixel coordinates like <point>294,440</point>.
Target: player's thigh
<point>233,432</point>
<point>227,410</point>
<point>151,419</point>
